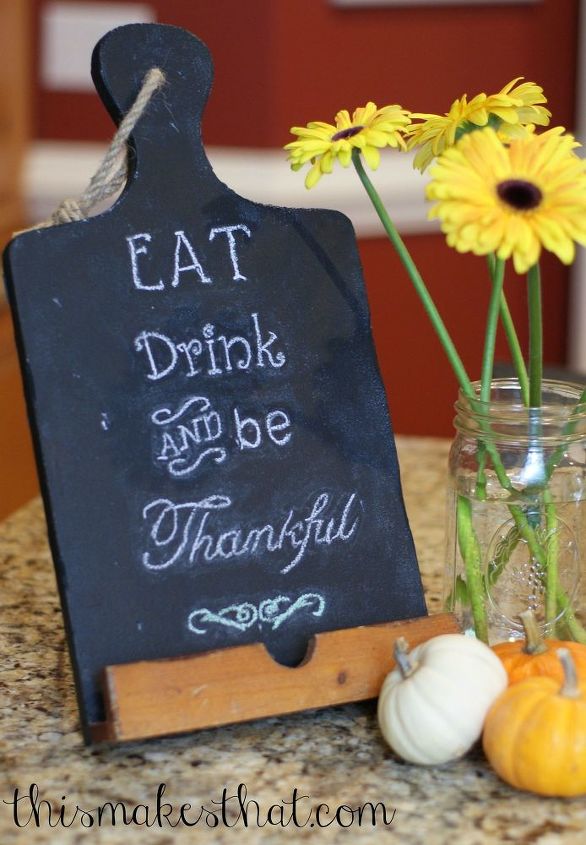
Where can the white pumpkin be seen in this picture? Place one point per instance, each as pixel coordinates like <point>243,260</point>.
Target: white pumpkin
<point>432,707</point>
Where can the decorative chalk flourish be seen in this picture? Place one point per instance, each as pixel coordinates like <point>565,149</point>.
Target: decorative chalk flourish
<point>186,533</point>
<point>273,612</point>
<point>239,616</point>
<point>179,449</point>
<point>164,416</point>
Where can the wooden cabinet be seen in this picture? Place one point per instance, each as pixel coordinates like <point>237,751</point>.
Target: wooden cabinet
<point>279,63</point>
<point>14,110</point>
<point>18,481</point>
<point>18,476</point>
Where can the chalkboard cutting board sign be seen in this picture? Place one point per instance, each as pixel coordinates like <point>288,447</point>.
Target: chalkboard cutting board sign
<point>212,436</point>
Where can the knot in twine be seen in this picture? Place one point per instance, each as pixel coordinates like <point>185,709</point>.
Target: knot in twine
<point>113,170</point>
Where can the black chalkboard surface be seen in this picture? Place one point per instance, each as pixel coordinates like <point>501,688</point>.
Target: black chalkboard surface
<point>212,435</point>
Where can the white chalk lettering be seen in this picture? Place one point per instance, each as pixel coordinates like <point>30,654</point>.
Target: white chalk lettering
<point>186,433</point>
<point>248,431</point>
<point>183,242</point>
<point>185,252</point>
<point>238,616</point>
<point>278,421</point>
<point>280,609</point>
<point>167,528</point>
<point>263,348</point>
<point>168,448</point>
<point>186,447</point>
<point>272,612</point>
<point>167,349</point>
<point>212,355</point>
<point>254,437</point>
<point>182,533</point>
<point>229,232</point>
<point>244,362</point>
<point>208,333</point>
<point>140,250</point>
<point>192,350</point>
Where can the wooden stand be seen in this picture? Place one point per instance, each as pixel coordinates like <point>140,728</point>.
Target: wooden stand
<point>159,697</point>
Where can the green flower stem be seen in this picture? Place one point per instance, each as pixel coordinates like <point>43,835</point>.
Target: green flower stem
<point>555,595</point>
<point>575,629</point>
<point>467,539</point>
<point>480,486</point>
<point>465,516</point>
<point>551,577</point>
<point>430,308</point>
<point>504,550</point>
<point>528,534</point>
<point>447,343</point>
<point>563,602</point>
<point>470,551</point>
<point>557,600</point>
<point>515,349</point>
<point>512,339</point>
<point>567,430</point>
<point>535,432</point>
<point>535,336</point>
<point>498,277</point>
<point>531,390</point>
<point>415,276</point>
<point>518,363</point>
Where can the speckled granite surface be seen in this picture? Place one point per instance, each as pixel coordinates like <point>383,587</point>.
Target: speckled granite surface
<point>335,756</point>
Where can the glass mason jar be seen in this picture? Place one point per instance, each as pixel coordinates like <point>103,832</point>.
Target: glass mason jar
<point>516,533</point>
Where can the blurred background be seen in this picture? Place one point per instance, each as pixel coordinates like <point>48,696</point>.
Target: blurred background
<point>280,63</point>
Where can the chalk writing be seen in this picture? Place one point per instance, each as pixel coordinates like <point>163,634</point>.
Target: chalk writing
<point>182,244</point>
<point>229,232</point>
<point>136,250</point>
<point>212,355</point>
<point>239,616</point>
<point>167,523</point>
<point>183,444</point>
<point>272,612</point>
<point>185,259</point>
<point>208,414</point>
<point>277,610</point>
<point>191,435</point>
<point>249,433</point>
<point>185,533</point>
<point>182,450</point>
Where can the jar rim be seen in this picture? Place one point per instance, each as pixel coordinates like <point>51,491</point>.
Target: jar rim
<point>568,394</point>
<point>562,414</point>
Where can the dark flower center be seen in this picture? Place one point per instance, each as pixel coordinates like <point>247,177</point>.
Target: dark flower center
<point>347,133</point>
<point>519,194</point>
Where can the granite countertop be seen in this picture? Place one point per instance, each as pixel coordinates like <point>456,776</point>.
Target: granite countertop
<point>334,756</point>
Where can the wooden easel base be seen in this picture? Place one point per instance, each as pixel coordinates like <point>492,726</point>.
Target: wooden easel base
<point>159,697</point>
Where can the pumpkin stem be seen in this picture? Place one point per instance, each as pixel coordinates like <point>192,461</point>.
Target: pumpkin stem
<point>570,688</point>
<point>401,654</point>
<point>534,643</point>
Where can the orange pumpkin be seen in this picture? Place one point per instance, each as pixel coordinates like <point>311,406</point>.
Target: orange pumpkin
<point>535,734</point>
<point>537,656</point>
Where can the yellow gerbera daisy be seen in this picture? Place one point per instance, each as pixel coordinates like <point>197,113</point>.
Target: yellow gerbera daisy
<point>511,199</point>
<point>513,112</point>
<point>368,130</point>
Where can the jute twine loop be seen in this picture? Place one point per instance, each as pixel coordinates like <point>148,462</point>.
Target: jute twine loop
<point>112,172</point>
